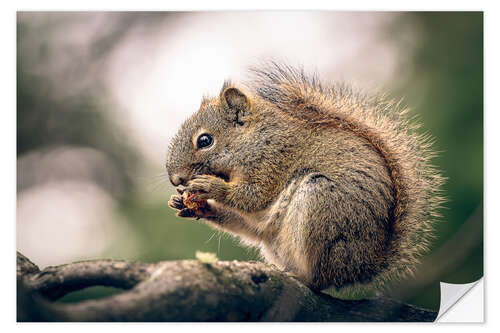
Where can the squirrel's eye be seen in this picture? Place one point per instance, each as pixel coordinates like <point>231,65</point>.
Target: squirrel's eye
<point>204,141</point>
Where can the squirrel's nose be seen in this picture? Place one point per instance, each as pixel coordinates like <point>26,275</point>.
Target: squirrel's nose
<point>177,180</point>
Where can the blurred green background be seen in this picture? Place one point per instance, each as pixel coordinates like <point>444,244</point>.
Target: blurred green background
<point>72,129</point>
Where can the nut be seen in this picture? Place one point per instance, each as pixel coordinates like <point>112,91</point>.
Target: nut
<point>187,199</point>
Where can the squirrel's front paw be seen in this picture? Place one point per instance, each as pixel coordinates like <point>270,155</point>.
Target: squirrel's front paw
<point>176,202</point>
<point>208,187</point>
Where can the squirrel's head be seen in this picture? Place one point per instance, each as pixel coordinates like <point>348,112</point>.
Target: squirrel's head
<point>206,142</point>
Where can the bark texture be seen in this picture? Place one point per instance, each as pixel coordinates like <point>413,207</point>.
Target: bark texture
<point>188,291</point>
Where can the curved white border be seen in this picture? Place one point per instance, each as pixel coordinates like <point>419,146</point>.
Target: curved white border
<point>462,302</point>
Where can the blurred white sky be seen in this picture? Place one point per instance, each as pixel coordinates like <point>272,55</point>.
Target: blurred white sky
<point>64,221</point>
<point>157,74</point>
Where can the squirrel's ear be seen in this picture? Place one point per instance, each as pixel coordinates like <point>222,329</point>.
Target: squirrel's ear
<point>236,101</point>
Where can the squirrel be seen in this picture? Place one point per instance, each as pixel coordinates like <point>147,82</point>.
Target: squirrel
<point>333,186</point>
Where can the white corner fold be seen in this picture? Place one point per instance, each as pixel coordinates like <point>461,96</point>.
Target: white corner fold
<point>461,302</point>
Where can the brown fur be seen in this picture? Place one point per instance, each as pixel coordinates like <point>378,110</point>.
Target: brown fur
<point>332,186</point>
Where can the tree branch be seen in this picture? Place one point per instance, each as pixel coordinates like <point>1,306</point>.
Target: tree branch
<point>190,290</point>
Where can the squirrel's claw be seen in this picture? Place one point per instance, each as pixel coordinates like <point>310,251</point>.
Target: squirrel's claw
<point>186,212</point>
<point>176,202</point>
